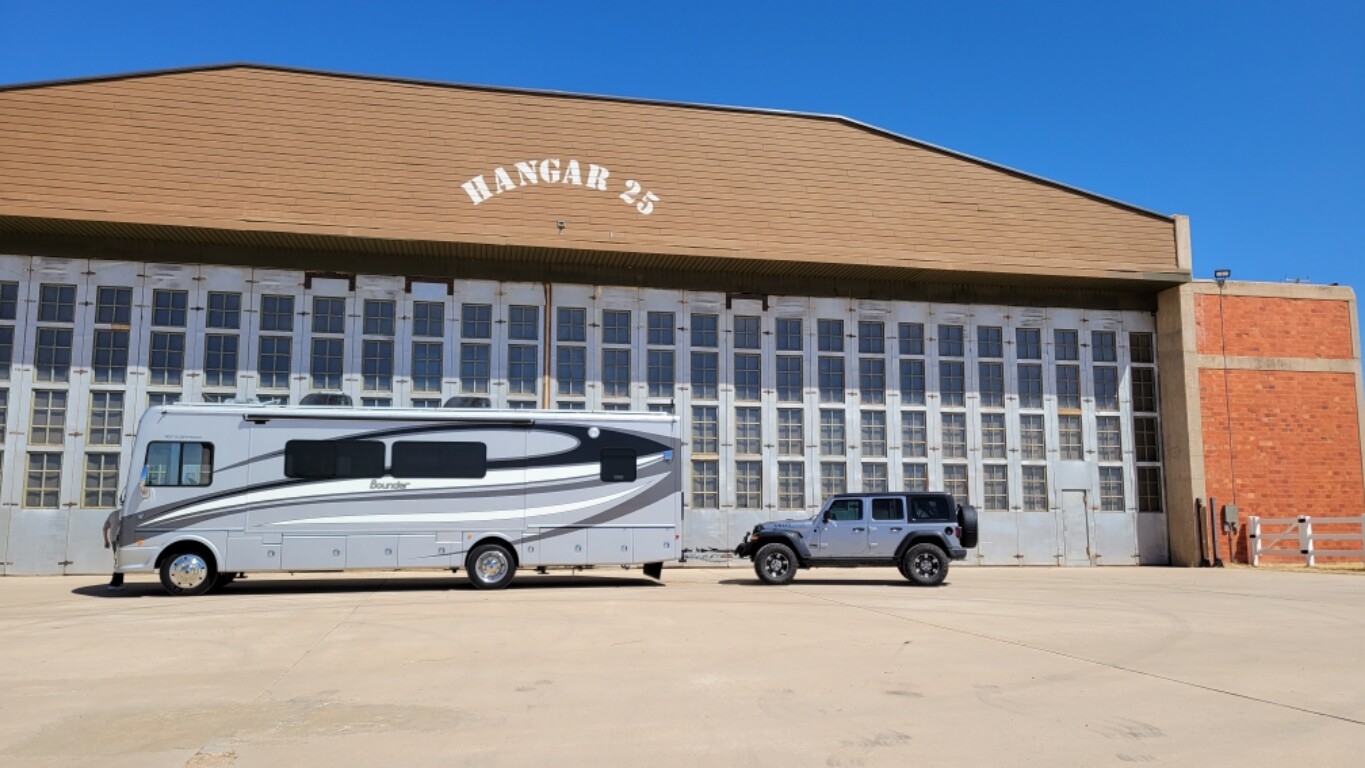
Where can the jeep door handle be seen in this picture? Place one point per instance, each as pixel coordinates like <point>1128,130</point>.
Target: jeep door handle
<point>895,529</point>
<point>859,530</point>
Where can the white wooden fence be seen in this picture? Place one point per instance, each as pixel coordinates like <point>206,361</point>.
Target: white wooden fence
<point>1300,530</point>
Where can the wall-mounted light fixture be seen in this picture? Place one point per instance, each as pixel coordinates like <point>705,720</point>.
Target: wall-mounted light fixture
<point>1221,275</point>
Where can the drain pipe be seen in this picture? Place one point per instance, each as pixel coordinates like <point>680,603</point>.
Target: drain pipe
<point>1213,531</point>
<point>545,350</point>
<point>1199,530</point>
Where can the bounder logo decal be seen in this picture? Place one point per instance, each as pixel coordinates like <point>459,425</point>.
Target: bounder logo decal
<point>388,485</point>
<point>553,171</point>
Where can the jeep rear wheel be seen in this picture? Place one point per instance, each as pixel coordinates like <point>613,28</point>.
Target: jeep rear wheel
<point>775,564</point>
<point>925,564</point>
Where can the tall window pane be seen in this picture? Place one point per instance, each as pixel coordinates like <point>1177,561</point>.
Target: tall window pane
<point>871,338</point>
<point>791,432</point>
<point>950,342</point>
<point>661,331</point>
<point>109,357</point>
<point>789,384</point>
<point>273,364</point>
<point>831,379</point>
<point>428,319</point>
<point>952,384</point>
<point>705,375</point>
<point>277,313</point>
<point>523,369</point>
<point>705,429</point>
<point>1028,343</point>
<point>990,342</point>
<point>571,324</point>
<point>954,435</point>
<point>748,431</point>
<point>830,335</point>
<point>167,361</point>
<point>789,338</point>
<point>874,433</point>
<point>661,375</point>
<point>992,384</point>
<point>329,314</point>
<point>523,323</point>
<point>615,326</point>
<point>832,432</point>
<point>911,337</point>
<point>914,434</point>
<point>475,362</point>
<point>225,310</point>
<point>616,373</point>
<point>912,382</point>
<point>747,334</point>
<point>748,377</point>
<point>52,355</point>
<point>220,360</point>
<point>427,366</point>
<point>476,321</point>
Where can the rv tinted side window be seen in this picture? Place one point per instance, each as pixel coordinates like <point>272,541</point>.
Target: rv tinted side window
<point>413,459</point>
<point>618,465</point>
<point>179,464</point>
<point>327,459</point>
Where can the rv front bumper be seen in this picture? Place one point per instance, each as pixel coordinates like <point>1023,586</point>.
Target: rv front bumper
<point>135,559</point>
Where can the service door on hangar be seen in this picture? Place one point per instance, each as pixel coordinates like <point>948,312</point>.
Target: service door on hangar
<point>1075,528</point>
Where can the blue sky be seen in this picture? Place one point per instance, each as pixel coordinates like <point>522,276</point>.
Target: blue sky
<point>1247,116</point>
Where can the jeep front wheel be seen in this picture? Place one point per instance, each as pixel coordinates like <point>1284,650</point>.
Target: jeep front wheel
<point>925,565</point>
<point>775,564</point>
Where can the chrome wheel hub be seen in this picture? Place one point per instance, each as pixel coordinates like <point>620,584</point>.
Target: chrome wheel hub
<point>776,565</point>
<point>188,571</point>
<point>492,566</point>
<point>927,565</point>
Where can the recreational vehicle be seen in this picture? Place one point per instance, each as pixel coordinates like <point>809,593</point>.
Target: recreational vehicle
<point>218,490</point>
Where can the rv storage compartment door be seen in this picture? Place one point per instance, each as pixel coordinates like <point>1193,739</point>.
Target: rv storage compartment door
<point>372,552</point>
<point>425,552</point>
<point>314,553</point>
<point>609,545</point>
<point>563,546</point>
<point>250,553</point>
<point>655,545</point>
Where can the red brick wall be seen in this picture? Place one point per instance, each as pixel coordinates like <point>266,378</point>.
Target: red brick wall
<point>1270,327</point>
<point>1295,434</point>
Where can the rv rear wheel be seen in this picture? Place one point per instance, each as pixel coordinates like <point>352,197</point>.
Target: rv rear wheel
<point>187,572</point>
<point>490,566</point>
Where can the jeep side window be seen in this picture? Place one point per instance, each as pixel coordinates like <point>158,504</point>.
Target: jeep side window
<point>846,509</point>
<point>926,509</point>
<point>888,509</point>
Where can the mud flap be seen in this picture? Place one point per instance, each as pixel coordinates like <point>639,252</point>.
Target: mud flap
<point>654,570</point>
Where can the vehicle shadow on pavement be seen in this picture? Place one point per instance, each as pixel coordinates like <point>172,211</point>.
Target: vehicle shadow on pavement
<point>276,585</point>
<point>832,583</point>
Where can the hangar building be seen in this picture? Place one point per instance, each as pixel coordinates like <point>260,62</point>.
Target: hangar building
<point>824,304</point>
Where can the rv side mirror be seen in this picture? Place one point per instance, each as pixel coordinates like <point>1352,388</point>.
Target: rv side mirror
<point>825,516</point>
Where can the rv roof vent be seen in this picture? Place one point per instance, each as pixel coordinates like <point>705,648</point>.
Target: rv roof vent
<point>462,401</point>
<point>326,398</point>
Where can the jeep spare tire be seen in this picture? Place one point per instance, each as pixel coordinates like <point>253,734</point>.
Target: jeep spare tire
<point>966,520</point>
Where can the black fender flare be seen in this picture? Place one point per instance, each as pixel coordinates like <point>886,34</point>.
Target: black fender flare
<point>790,538</point>
<point>933,537</point>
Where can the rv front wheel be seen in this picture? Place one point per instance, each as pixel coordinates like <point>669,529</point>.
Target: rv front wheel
<point>490,566</point>
<point>188,572</point>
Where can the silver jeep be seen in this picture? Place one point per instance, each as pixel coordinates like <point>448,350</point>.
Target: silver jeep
<point>919,533</point>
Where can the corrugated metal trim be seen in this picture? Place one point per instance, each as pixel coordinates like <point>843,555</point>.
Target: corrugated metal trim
<point>118,240</point>
<point>596,97</point>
